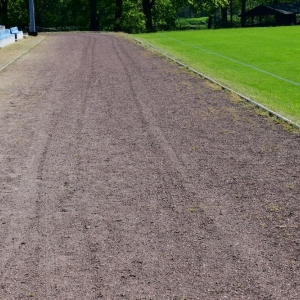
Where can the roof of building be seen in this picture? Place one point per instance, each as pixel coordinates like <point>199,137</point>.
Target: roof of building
<point>271,9</point>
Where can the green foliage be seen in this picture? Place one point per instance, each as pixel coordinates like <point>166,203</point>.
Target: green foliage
<point>207,6</point>
<point>13,12</point>
<point>57,14</point>
<point>165,14</point>
<point>191,23</point>
<point>132,20</point>
<point>17,13</point>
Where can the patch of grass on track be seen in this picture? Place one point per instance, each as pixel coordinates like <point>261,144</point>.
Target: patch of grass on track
<point>260,63</point>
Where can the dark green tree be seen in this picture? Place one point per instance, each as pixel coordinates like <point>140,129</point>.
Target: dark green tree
<point>147,9</point>
<point>243,10</point>
<point>94,15</point>
<point>118,15</point>
<point>133,19</point>
<point>4,11</point>
<point>166,13</point>
<point>208,7</point>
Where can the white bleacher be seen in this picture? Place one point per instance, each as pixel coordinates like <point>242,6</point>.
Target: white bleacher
<point>6,37</point>
<point>9,36</point>
<point>18,33</point>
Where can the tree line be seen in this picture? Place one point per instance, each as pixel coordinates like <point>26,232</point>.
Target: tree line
<point>120,15</point>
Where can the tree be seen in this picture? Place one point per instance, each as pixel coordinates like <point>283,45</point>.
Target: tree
<point>243,17</point>
<point>147,9</point>
<point>133,19</point>
<point>208,6</point>
<point>94,15</point>
<point>4,11</point>
<point>166,13</point>
<point>224,16</point>
<point>118,14</point>
<point>13,13</point>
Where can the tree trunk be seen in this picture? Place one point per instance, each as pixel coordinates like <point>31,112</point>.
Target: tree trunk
<point>209,23</point>
<point>231,13</point>
<point>118,14</point>
<point>94,15</point>
<point>38,10</point>
<point>147,9</point>
<point>243,17</point>
<point>224,17</point>
<point>4,11</point>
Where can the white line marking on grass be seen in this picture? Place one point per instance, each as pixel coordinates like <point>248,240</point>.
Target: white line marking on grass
<point>271,112</point>
<point>21,55</point>
<point>235,61</point>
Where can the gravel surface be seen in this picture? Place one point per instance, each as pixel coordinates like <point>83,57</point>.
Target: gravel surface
<point>125,177</point>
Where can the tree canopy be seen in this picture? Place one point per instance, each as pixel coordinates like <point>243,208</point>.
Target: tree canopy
<point>119,15</point>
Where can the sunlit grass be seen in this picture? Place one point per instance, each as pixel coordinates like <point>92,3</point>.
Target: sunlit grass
<point>261,63</point>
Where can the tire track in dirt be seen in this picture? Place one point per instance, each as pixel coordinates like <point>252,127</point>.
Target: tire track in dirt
<point>113,188</point>
<point>60,260</point>
<point>49,267</point>
<point>171,161</point>
<point>41,258</point>
<point>243,253</point>
<point>156,134</point>
<point>27,198</point>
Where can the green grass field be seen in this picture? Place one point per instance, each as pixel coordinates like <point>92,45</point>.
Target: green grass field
<point>260,63</point>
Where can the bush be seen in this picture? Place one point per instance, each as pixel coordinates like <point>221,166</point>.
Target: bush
<point>191,23</point>
<point>132,20</point>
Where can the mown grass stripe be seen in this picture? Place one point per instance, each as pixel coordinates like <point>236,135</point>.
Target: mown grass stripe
<point>234,60</point>
<point>247,99</point>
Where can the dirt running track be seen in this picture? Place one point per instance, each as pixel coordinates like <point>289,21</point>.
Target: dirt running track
<point>125,177</point>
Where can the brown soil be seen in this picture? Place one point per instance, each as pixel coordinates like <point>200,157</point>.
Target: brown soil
<point>125,177</point>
